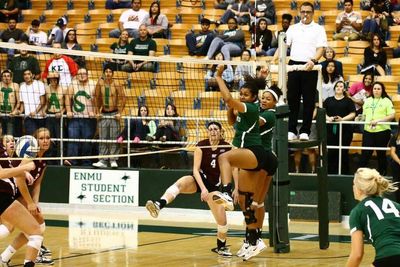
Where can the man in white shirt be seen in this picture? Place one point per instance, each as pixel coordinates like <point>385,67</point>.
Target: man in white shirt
<point>348,23</point>
<point>307,41</point>
<point>130,20</point>
<point>35,36</point>
<point>32,95</point>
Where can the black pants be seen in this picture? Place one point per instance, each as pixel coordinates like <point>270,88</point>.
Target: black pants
<point>301,84</point>
<point>379,139</point>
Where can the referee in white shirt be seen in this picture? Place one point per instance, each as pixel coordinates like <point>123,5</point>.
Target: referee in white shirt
<point>307,40</point>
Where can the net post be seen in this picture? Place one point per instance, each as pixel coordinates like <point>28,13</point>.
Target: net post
<point>61,140</point>
<point>128,146</point>
<point>322,173</point>
<point>280,193</point>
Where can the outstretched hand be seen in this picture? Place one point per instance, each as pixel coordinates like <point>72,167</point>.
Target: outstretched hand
<point>220,70</point>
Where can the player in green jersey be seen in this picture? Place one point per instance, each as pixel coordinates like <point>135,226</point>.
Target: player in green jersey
<point>375,217</point>
<point>249,156</point>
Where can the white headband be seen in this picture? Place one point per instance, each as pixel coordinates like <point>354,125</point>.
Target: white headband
<point>273,93</point>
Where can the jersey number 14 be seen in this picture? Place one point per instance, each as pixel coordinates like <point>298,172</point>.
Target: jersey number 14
<point>387,207</point>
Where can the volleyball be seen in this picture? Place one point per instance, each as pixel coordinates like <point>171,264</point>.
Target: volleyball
<point>27,147</point>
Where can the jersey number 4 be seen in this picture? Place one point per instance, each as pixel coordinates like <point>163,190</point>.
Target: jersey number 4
<point>387,207</point>
<point>213,163</point>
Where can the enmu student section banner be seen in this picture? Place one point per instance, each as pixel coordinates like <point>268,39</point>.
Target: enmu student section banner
<point>104,187</point>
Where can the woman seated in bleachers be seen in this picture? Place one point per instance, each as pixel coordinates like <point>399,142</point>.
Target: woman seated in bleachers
<point>231,42</point>
<point>262,39</point>
<point>168,130</point>
<point>376,23</point>
<point>242,71</point>
<point>240,11</point>
<point>157,23</point>
<point>330,77</point>
<point>71,43</point>
<point>330,54</point>
<point>375,57</point>
<point>210,81</point>
<point>121,47</point>
<point>359,91</point>
<point>140,129</point>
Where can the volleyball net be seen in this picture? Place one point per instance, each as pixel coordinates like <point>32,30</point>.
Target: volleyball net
<point>79,96</point>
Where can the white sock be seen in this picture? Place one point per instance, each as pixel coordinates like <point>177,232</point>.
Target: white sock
<point>8,253</point>
<point>4,232</point>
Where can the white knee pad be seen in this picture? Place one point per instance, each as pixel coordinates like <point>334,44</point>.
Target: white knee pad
<point>4,232</point>
<point>35,241</point>
<point>261,205</point>
<point>222,228</point>
<point>173,190</point>
<point>42,227</point>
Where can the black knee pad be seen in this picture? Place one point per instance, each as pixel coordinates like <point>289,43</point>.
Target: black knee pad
<point>249,214</point>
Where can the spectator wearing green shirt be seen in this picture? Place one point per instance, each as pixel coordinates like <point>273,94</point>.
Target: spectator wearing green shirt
<point>121,47</point>
<point>143,46</point>
<point>22,62</point>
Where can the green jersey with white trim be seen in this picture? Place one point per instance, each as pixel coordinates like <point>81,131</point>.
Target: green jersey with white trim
<point>267,130</point>
<point>247,127</point>
<point>379,219</point>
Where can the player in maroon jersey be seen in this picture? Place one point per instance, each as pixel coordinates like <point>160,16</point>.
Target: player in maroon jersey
<point>12,211</point>
<point>42,135</point>
<point>205,179</point>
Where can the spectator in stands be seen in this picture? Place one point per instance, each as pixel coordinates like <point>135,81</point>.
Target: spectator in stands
<point>262,39</point>
<point>12,35</point>
<point>58,33</point>
<point>286,21</point>
<point>32,96</point>
<point>8,10</point>
<point>140,129</point>
<point>377,108</point>
<point>55,108</point>
<point>375,23</point>
<point>24,61</point>
<point>348,23</point>
<point>130,20</point>
<point>62,64</point>
<point>330,77</point>
<point>359,91</point>
<point>120,48</point>
<point>339,108</point>
<point>142,46</point>
<point>81,112</point>
<point>116,4</point>
<point>227,75</point>
<point>375,57</point>
<point>168,130</point>
<point>329,55</point>
<point>231,42</point>
<point>240,11</point>
<point>199,43</point>
<point>36,36</point>
<point>9,104</point>
<point>157,23</point>
<point>71,43</point>
<point>263,9</point>
<point>242,71</point>
<point>110,102</point>
<point>223,4</point>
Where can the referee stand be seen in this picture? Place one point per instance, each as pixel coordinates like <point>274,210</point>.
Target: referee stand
<point>279,199</point>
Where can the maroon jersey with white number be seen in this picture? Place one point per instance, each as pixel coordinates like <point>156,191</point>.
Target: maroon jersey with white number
<point>40,166</point>
<point>209,161</point>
